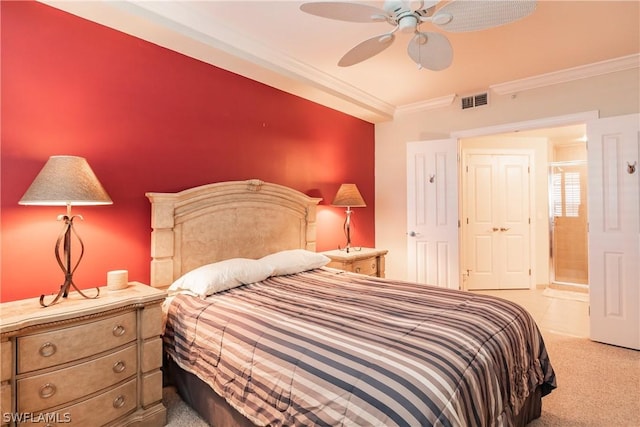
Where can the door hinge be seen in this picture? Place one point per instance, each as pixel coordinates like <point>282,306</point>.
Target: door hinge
<point>529,272</point>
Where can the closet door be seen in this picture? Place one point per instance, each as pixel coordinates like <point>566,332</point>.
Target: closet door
<point>497,225</point>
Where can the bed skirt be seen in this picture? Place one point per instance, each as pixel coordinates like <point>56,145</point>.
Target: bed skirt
<point>217,412</point>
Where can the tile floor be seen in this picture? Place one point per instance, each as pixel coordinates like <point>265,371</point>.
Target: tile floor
<point>554,312</point>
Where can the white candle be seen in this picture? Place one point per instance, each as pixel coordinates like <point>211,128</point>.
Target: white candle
<point>117,279</point>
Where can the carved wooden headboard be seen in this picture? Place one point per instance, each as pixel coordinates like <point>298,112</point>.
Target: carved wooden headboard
<point>225,220</point>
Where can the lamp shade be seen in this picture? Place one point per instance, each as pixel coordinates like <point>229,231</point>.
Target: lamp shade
<point>66,181</point>
<point>349,196</point>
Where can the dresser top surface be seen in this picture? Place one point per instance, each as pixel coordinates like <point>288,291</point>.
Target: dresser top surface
<point>354,254</point>
<point>16,315</point>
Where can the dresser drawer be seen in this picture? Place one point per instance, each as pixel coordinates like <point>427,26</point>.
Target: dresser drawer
<point>6,360</point>
<point>102,409</point>
<point>367,266</point>
<point>38,392</point>
<point>5,399</point>
<point>52,348</point>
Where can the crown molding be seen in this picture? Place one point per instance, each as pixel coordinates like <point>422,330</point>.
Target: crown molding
<point>563,76</point>
<point>430,104</point>
<point>570,74</point>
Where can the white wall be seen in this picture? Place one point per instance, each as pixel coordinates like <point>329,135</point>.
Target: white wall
<point>611,94</point>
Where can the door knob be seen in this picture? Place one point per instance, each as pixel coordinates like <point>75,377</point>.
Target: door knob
<point>413,234</point>
<point>495,229</point>
<point>504,229</point>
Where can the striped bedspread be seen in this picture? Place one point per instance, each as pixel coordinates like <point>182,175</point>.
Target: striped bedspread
<point>331,348</point>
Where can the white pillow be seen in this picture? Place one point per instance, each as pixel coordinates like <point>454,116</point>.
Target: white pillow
<point>220,276</point>
<point>294,261</point>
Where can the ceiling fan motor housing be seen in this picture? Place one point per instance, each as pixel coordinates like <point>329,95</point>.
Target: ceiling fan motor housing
<point>403,16</point>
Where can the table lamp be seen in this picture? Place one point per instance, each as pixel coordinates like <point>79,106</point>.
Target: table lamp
<point>348,196</point>
<point>66,181</point>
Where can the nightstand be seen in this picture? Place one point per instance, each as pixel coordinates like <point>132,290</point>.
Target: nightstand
<point>87,362</point>
<point>361,260</point>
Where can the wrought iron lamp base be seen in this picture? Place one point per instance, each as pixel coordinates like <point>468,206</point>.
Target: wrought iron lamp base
<point>65,239</point>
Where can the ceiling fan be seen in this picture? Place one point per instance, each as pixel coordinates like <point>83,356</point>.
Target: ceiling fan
<point>428,49</point>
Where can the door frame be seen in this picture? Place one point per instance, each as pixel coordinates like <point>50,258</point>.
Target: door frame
<point>546,122</point>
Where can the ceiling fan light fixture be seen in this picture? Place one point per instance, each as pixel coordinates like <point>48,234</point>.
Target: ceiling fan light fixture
<point>408,24</point>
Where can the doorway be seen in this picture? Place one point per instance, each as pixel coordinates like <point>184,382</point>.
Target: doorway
<point>433,253</point>
<point>545,145</point>
<point>568,225</point>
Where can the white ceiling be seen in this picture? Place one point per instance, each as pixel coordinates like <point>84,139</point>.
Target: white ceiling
<point>277,44</point>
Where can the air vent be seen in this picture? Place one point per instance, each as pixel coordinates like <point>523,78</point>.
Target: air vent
<point>475,101</point>
<point>467,102</point>
<point>482,99</point>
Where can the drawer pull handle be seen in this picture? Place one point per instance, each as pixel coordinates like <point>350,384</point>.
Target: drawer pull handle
<point>48,349</point>
<point>357,269</point>
<point>118,331</point>
<point>119,366</point>
<point>118,402</point>
<point>47,390</point>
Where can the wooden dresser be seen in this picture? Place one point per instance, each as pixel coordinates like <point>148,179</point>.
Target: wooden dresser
<point>85,362</point>
<point>361,260</point>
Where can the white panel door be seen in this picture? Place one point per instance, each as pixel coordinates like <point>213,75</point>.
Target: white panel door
<point>432,213</point>
<point>614,230</point>
<point>496,223</point>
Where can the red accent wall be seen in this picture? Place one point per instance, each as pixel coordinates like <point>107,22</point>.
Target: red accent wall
<point>149,119</point>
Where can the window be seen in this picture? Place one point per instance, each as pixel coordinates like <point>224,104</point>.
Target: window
<point>566,194</point>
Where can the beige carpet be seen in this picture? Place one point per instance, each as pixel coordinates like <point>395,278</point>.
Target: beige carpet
<point>598,385</point>
<point>179,414</point>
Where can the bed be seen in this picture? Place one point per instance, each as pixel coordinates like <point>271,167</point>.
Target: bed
<point>259,332</point>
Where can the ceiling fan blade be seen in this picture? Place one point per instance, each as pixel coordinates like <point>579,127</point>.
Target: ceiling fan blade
<point>366,50</point>
<point>474,15</point>
<point>431,50</point>
<point>421,5</point>
<point>351,12</point>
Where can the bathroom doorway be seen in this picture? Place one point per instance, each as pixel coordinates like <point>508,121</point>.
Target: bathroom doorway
<point>568,217</point>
